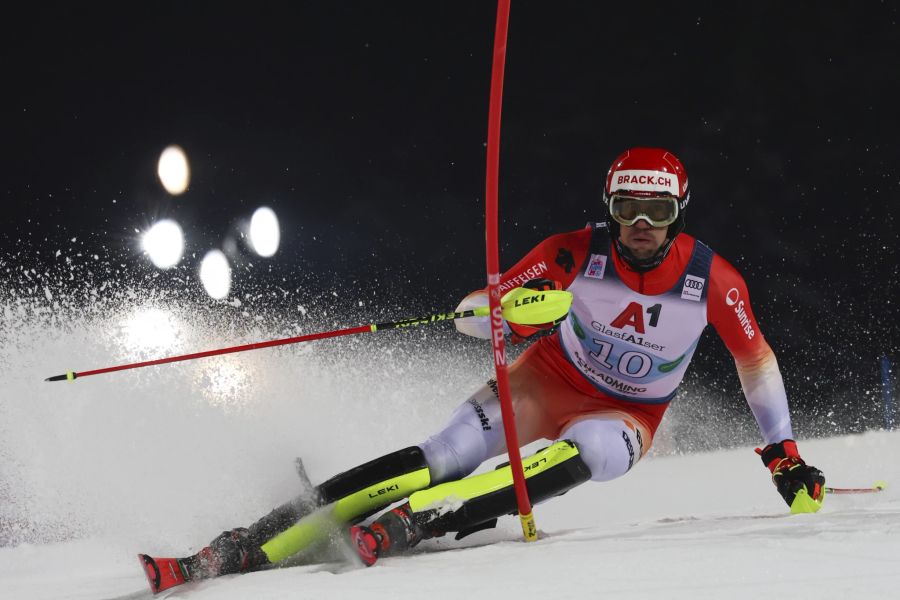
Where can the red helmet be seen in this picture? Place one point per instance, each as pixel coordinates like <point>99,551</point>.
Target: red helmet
<point>642,173</point>
<point>648,172</point>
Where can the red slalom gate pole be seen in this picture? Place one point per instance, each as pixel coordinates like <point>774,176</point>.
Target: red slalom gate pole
<point>493,271</point>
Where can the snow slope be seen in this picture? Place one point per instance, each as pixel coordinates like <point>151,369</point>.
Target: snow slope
<point>162,459</point>
<point>699,526</point>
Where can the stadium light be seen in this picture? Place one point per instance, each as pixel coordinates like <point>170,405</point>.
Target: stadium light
<point>164,243</point>
<point>173,170</point>
<point>215,274</point>
<point>264,232</point>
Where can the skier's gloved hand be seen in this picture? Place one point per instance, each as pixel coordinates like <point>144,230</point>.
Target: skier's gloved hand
<point>802,486</point>
<point>520,333</point>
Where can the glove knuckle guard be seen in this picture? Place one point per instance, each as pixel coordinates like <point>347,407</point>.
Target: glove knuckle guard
<point>801,485</point>
<point>522,333</point>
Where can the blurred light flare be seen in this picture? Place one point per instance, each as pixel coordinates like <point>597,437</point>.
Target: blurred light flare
<point>225,382</point>
<point>173,170</point>
<point>215,274</point>
<point>164,243</point>
<point>265,233</point>
<point>150,329</point>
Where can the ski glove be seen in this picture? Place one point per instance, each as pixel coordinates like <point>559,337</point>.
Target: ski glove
<point>802,486</point>
<point>521,333</point>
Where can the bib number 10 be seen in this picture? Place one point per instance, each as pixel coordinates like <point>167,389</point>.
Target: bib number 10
<point>631,363</point>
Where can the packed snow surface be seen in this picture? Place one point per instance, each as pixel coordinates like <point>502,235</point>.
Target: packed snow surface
<point>699,526</point>
<point>160,460</point>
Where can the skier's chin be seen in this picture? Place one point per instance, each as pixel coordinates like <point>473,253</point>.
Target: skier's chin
<point>643,248</point>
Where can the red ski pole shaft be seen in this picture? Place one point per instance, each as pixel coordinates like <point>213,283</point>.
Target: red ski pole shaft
<point>552,305</point>
<point>493,271</point>
<point>70,375</point>
<point>436,318</point>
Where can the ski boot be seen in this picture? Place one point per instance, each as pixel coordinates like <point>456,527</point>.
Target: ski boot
<point>233,551</point>
<point>392,533</point>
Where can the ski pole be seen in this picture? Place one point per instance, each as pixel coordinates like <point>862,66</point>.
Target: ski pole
<point>519,305</point>
<point>876,487</point>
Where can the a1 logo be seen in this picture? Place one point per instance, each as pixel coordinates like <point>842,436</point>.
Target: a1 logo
<point>633,316</point>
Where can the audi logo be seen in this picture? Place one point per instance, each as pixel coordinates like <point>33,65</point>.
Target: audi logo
<point>693,284</point>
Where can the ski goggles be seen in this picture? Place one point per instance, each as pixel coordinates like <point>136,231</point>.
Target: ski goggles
<point>658,211</point>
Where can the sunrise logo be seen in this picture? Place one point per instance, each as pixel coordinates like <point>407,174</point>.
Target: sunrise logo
<point>732,297</point>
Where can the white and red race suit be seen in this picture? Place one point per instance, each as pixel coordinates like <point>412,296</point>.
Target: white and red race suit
<point>605,379</point>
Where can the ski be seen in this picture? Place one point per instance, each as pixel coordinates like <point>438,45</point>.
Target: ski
<point>164,573</point>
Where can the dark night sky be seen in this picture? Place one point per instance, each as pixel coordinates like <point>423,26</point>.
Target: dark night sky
<point>363,125</point>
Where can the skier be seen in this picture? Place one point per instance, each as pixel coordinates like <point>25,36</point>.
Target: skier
<point>598,383</point>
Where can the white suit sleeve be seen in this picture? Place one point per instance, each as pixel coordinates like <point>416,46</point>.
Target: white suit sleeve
<point>479,327</point>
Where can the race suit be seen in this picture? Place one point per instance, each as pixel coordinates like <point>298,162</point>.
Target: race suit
<point>606,378</point>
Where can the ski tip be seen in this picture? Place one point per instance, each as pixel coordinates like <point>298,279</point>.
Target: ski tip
<point>879,485</point>
<point>162,573</point>
<point>151,570</point>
